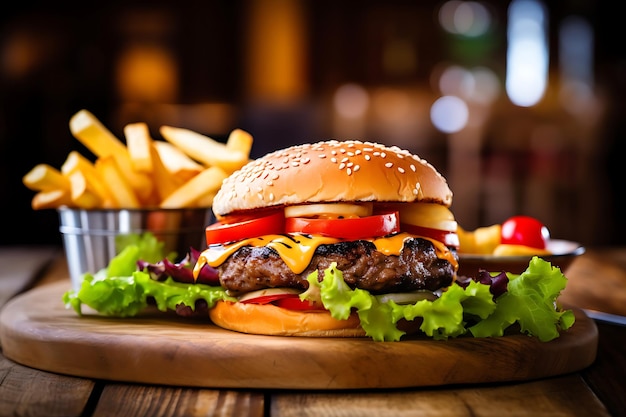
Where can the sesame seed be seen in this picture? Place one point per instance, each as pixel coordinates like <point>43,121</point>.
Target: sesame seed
<point>306,160</point>
<point>333,160</point>
<point>413,168</point>
<point>349,171</point>
<point>358,152</point>
<point>345,159</point>
<point>383,155</point>
<point>376,153</point>
<point>401,170</point>
<point>367,157</point>
<point>271,196</point>
<point>356,168</point>
<point>322,155</point>
<point>350,153</point>
<point>342,165</point>
<point>389,164</point>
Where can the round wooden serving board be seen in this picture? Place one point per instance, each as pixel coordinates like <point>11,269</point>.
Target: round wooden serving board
<point>156,348</point>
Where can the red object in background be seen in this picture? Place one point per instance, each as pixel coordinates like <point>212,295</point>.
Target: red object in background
<point>525,230</point>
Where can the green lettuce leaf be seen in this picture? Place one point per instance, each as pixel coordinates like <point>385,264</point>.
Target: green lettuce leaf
<point>125,296</point>
<point>529,301</point>
<point>150,248</point>
<point>121,290</point>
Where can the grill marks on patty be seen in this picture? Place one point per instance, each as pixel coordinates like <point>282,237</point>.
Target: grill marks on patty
<point>417,268</point>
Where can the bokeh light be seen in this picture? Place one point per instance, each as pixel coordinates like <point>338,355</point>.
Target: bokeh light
<point>449,114</point>
<point>467,18</point>
<point>351,101</point>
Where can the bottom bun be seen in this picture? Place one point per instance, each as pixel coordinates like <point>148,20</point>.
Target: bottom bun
<point>267,319</point>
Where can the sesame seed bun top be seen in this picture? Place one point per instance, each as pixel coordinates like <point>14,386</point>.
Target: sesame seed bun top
<point>332,171</point>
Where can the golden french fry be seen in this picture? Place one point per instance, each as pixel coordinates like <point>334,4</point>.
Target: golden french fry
<point>77,162</point>
<point>206,182</point>
<point>467,241</point>
<point>176,161</point>
<point>487,238</point>
<point>122,192</point>
<point>518,250</point>
<point>99,140</point>
<point>94,135</point>
<point>82,195</point>
<point>138,143</point>
<point>44,177</point>
<point>166,182</point>
<point>204,149</point>
<point>51,199</point>
<point>240,140</point>
<point>206,200</point>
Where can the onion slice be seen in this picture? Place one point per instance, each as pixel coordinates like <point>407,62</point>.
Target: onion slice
<point>330,210</point>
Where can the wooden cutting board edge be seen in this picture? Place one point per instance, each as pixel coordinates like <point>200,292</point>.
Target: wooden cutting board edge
<point>37,331</point>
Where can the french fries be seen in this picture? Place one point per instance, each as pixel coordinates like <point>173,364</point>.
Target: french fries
<point>109,171</point>
<point>138,141</point>
<point>480,241</point>
<point>196,188</point>
<point>44,177</point>
<point>486,241</point>
<point>99,140</point>
<point>184,170</point>
<point>177,163</point>
<point>204,149</point>
<point>51,199</point>
<point>77,162</point>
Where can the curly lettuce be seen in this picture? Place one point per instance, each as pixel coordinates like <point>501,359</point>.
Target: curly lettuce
<point>125,287</point>
<point>529,301</point>
<point>484,307</point>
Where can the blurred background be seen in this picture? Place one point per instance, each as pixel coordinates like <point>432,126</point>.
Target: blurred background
<point>518,103</point>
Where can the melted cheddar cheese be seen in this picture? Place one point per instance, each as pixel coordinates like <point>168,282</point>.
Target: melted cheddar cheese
<point>297,250</point>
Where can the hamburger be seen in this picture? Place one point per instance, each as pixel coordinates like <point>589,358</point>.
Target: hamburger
<point>333,239</point>
<point>380,214</point>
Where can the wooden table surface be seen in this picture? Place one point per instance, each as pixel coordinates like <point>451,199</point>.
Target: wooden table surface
<point>597,281</point>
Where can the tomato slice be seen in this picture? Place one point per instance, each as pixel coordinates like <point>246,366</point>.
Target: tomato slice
<point>288,298</point>
<point>450,239</point>
<point>295,303</point>
<point>352,228</point>
<point>222,232</point>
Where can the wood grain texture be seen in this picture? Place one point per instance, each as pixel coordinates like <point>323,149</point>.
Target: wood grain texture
<point>597,281</point>
<point>124,400</point>
<point>21,266</point>
<point>606,376</point>
<point>559,396</point>
<point>37,330</point>
<point>28,392</point>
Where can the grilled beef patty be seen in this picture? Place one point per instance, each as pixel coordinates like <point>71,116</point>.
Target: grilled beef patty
<point>417,268</point>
